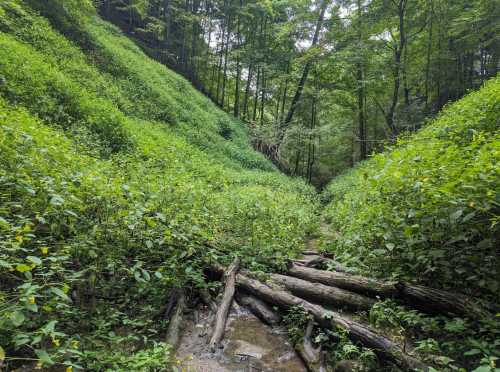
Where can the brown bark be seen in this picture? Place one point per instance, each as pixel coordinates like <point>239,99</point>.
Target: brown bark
<point>329,319</point>
<point>425,298</point>
<point>323,294</point>
<point>225,305</point>
<point>308,353</point>
<point>175,324</point>
<point>259,308</point>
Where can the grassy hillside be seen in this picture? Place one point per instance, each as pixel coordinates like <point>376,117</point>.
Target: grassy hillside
<point>117,181</point>
<point>429,208</point>
<point>427,211</point>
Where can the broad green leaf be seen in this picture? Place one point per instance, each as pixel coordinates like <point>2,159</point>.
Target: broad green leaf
<point>58,292</point>
<point>44,356</point>
<point>17,318</point>
<point>23,268</point>
<point>35,260</point>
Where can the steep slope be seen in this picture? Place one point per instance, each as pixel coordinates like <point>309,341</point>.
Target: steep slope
<point>427,211</point>
<point>117,182</point>
<point>431,204</point>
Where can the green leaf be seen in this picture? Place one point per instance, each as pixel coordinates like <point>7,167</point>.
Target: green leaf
<point>58,292</point>
<point>35,260</point>
<point>2,355</point>
<point>23,268</point>
<point>44,356</point>
<point>472,352</point>
<point>158,275</point>
<point>50,326</point>
<point>56,200</point>
<point>4,223</point>
<point>17,318</point>
<point>146,275</point>
<point>482,369</point>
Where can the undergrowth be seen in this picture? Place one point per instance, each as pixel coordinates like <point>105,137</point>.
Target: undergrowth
<point>427,211</point>
<point>118,182</point>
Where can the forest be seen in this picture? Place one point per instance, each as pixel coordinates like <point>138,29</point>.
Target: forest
<point>250,185</point>
<point>323,84</point>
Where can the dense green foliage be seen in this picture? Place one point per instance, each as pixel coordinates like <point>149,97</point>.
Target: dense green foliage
<point>377,68</point>
<point>427,211</point>
<point>429,208</point>
<point>117,181</point>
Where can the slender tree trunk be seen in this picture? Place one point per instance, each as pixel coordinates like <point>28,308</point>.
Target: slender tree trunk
<point>428,59</point>
<point>224,80</point>
<point>219,69</point>
<point>194,37</point>
<point>236,110</point>
<point>305,73</point>
<point>361,89</point>
<point>262,96</point>
<point>247,90</point>
<point>285,91</point>
<point>397,68</point>
<point>168,24</point>
<point>256,95</point>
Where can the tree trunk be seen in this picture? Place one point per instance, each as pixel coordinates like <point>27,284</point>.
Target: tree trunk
<point>247,91</point>
<point>323,294</point>
<point>305,73</point>
<point>361,89</point>
<point>428,58</point>
<point>425,298</point>
<point>225,305</point>
<point>236,110</point>
<point>329,319</point>
<point>262,95</point>
<point>175,325</point>
<point>259,308</point>
<point>228,31</point>
<point>397,68</point>
<point>256,94</point>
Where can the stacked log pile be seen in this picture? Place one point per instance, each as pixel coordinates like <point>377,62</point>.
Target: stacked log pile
<point>318,292</point>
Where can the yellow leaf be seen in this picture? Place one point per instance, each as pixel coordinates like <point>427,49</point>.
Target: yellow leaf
<point>23,268</point>
<point>69,369</point>
<point>31,300</point>
<point>2,355</point>
<point>44,250</point>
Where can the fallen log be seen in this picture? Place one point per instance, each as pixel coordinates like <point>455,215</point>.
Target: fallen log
<point>323,294</point>
<point>259,308</point>
<point>424,298</point>
<point>307,352</point>
<point>321,261</point>
<point>315,253</point>
<point>225,305</point>
<point>329,319</point>
<point>207,299</point>
<point>175,323</point>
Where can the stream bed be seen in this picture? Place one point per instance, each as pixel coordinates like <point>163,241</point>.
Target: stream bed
<point>248,345</point>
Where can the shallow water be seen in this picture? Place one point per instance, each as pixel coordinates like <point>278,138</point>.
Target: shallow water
<point>249,345</point>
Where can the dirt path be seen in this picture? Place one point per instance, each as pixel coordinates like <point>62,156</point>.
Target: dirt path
<point>248,345</point>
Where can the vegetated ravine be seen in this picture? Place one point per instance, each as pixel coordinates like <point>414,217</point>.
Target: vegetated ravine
<point>140,231</point>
